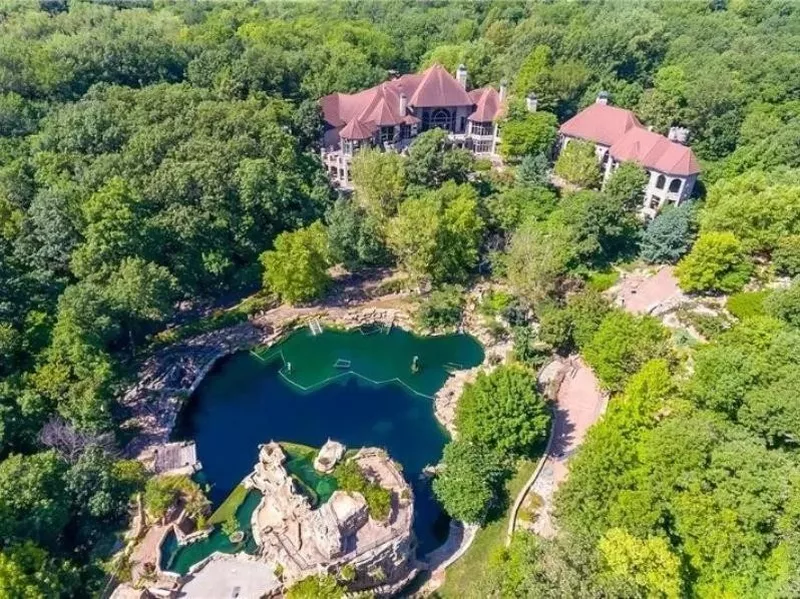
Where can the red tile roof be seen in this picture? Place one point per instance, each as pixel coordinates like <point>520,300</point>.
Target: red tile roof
<point>439,88</point>
<point>600,123</point>
<point>356,129</point>
<point>628,139</point>
<point>488,106</point>
<point>380,105</point>
<point>656,152</point>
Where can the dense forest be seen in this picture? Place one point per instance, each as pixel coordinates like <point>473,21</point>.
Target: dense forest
<point>160,157</point>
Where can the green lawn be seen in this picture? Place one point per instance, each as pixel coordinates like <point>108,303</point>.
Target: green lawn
<point>229,506</point>
<point>465,572</point>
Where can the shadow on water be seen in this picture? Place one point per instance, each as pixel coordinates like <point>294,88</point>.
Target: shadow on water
<point>247,400</point>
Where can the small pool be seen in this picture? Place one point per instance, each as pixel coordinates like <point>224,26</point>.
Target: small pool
<point>357,387</point>
<point>175,558</point>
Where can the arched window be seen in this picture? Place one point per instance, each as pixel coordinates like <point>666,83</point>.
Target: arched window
<point>675,186</point>
<point>441,118</point>
<point>661,181</point>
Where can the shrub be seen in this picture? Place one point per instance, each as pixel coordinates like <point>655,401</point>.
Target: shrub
<point>786,256</point>
<point>350,478</point>
<point>316,587</point>
<point>747,304</point>
<point>717,263</point>
<point>601,281</point>
<point>527,348</point>
<point>442,309</point>
<point>785,304</point>
<point>161,492</point>
<point>495,302</point>
<point>708,325</point>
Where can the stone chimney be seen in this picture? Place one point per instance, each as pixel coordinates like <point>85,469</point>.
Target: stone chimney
<point>461,75</point>
<point>678,134</point>
<point>602,98</point>
<point>503,90</point>
<point>403,104</point>
<point>531,102</point>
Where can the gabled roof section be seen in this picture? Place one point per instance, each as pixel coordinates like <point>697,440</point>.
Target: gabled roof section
<point>438,88</point>
<point>356,129</point>
<point>488,106</point>
<point>655,152</point>
<point>600,123</point>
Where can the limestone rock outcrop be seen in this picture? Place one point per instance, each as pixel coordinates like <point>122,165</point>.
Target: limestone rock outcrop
<point>328,456</point>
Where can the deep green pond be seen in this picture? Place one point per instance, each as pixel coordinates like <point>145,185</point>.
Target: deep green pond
<point>357,387</point>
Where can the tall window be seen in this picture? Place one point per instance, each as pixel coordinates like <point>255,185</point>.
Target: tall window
<point>441,118</point>
<point>405,131</point>
<point>660,182</point>
<point>347,146</point>
<point>482,129</point>
<point>675,186</point>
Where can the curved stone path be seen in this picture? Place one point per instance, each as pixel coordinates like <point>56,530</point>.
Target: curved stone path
<point>579,404</point>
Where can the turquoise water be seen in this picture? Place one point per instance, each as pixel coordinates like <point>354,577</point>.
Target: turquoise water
<point>179,559</point>
<point>250,399</point>
<point>301,466</point>
<point>376,354</point>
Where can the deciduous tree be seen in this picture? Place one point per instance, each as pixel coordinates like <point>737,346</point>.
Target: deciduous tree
<point>297,268</point>
<point>717,263</point>
<point>504,412</point>
<point>577,164</point>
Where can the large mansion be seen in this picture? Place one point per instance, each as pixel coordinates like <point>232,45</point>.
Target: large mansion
<point>619,136</point>
<point>391,114</point>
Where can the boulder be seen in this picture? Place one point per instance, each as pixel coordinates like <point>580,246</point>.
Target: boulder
<point>328,456</point>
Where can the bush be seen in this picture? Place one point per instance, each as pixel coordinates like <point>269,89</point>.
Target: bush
<point>316,587</point>
<point>601,281</point>
<point>708,325</point>
<point>503,412</point>
<point>786,256</point>
<point>785,304</point>
<point>350,478</point>
<point>495,302</point>
<point>528,349</point>
<point>161,492</point>
<point>747,304</point>
<point>622,344</point>
<point>442,309</point>
<point>717,263</point>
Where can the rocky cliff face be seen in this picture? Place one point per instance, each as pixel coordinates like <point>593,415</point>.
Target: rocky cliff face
<point>340,534</point>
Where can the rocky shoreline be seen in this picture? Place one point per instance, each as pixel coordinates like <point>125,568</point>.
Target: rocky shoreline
<point>170,376</point>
